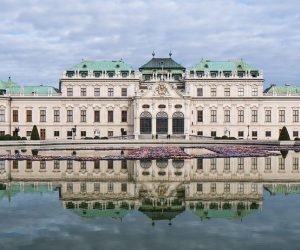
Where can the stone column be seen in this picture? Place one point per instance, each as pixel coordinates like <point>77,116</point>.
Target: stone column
<point>136,128</point>
<point>153,125</point>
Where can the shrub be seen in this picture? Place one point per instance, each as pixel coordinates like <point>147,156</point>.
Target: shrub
<point>34,152</point>
<point>24,138</point>
<point>104,138</point>
<point>297,139</point>
<point>35,134</point>
<point>96,137</point>
<point>284,135</point>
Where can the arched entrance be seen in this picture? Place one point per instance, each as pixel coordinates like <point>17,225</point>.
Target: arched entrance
<point>145,123</point>
<point>178,123</point>
<point>162,123</point>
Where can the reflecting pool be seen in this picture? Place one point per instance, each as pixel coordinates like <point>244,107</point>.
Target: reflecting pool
<point>217,203</point>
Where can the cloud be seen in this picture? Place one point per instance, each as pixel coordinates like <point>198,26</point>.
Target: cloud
<point>40,39</point>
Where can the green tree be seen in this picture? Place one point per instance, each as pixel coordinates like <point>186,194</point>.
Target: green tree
<point>35,134</point>
<point>284,135</point>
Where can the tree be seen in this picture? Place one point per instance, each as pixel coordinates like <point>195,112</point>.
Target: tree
<point>34,133</point>
<point>284,135</point>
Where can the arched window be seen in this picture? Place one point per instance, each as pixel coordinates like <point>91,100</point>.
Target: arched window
<point>178,123</point>
<point>145,123</point>
<point>145,163</point>
<point>161,163</point>
<point>178,163</point>
<point>162,123</point>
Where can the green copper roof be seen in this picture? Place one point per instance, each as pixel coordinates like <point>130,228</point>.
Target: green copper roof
<point>8,84</point>
<point>30,90</point>
<point>158,63</point>
<point>230,65</point>
<point>102,66</point>
<point>283,90</point>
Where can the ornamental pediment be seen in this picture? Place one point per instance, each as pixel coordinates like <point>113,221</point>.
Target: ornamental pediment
<point>161,89</point>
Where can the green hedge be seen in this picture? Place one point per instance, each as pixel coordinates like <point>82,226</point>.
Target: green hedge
<point>11,138</point>
<point>35,134</point>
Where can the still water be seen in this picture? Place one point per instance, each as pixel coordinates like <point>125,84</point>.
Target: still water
<point>237,203</point>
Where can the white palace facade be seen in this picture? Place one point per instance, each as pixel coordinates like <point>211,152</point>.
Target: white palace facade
<point>161,99</point>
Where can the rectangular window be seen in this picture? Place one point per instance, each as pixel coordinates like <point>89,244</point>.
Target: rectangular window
<point>254,91</point>
<point>241,91</point>
<point>240,133</point>
<point>96,91</point>
<point>56,115</point>
<point>254,188</point>
<point>199,187</point>
<point>69,134</point>
<point>281,164</point>
<point>2,115</point>
<point>254,163</point>
<point>15,115</point>
<point>213,116</point>
<point>123,187</point>
<point>97,164</point>
<point>200,164</point>
<point>28,133</point>
<point>97,187</point>
<point>69,115</point>
<point>110,116</point>
<point>295,163</point>
<point>295,115</point>
<point>213,91</point>
<point>213,187</point>
<point>240,163</point>
<point>199,91</point>
<point>29,164</point>
<point>96,116</point>
<point>69,164</point>
<point>268,115</point>
<point>281,115</point>
<point>200,115</point>
<point>110,133</point>
<point>253,115</point>
<point>226,164</point>
<point>241,188</point>
<point>110,92</point>
<point>110,164</point>
<point>227,92</point>
<point>42,115</point>
<point>124,116</point>
<point>254,133</point>
<point>200,133</point>
<point>2,133</point>
<point>15,164</point>
<point>83,165</point>
<point>82,115</point>
<point>123,164</point>
<point>295,133</point>
<point>226,187</point>
<point>56,133</point>
<point>42,165</point>
<point>83,134</point>
<point>267,163</point>
<point>28,115</point>
<point>226,115</point>
<point>69,91</point>
<point>213,133</point>
<point>124,91</point>
<point>82,91</point>
<point>240,115</point>
<point>268,133</point>
<point>83,187</point>
<point>56,165</point>
<point>213,164</point>
<point>70,187</point>
<point>110,187</point>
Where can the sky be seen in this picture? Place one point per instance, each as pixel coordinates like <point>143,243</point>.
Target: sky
<point>41,39</point>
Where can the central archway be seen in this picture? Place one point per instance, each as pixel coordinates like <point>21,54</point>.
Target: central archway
<point>145,123</point>
<point>162,123</point>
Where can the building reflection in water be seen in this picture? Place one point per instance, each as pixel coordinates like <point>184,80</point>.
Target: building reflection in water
<point>161,189</point>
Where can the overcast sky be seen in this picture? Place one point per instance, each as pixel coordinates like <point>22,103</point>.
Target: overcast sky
<point>40,39</point>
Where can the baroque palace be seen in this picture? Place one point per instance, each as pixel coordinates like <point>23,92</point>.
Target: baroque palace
<point>161,99</point>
